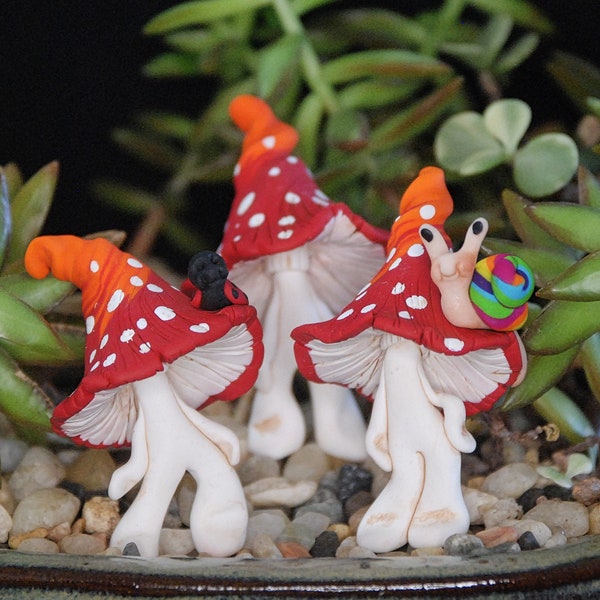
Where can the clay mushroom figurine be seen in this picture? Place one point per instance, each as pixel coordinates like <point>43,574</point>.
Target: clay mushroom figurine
<point>395,344</point>
<point>151,360</point>
<point>300,257</point>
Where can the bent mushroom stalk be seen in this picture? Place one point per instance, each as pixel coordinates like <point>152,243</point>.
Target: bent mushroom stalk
<point>394,343</point>
<point>153,359</point>
<point>300,257</point>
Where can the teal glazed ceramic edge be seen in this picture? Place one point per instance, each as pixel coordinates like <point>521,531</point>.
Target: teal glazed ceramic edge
<point>571,572</point>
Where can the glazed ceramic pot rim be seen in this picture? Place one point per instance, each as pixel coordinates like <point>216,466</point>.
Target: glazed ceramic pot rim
<point>563,572</point>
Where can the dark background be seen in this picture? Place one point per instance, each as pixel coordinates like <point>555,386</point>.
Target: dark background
<point>70,71</point>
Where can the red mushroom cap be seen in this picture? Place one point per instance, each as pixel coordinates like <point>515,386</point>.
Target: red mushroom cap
<point>138,324</point>
<point>402,300</point>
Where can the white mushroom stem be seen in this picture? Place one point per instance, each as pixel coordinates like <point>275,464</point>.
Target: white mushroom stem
<point>277,427</point>
<point>169,439</point>
<point>422,504</point>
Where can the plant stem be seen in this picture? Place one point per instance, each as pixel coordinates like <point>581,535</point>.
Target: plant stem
<point>310,61</point>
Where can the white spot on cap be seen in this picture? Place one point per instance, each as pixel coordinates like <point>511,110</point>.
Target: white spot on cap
<point>398,289</point>
<point>368,308</point>
<point>395,263</point>
<point>115,300</point>
<point>257,220</point>
<point>200,328</point>
<point>237,238</point>
<point>320,201</point>
<point>246,203</point>
<point>391,255</point>
<point>286,234</point>
<point>417,302</point>
<point>164,313</point>
<point>137,281</point>
<point>274,171</point>
<point>109,360</point>
<point>94,266</point>
<point>416,250</point>
<point>345,314</point>
<point>236,170</point>
<point>141,323</point>
<point>292,198</point>
<point>95,366</point>
<point>427,212</point>
<point>404,314</point>
<point>134,262</point>
<point>287,220</point>
<point>321,194</point>
<point>364,288</point>
<point>144,348</point>
<point>89,324</point>
<point>92,356</point>
<point>152,287</point>
<point>127,335</point>
<point>292,159</point>
<point>269,142</point>
<point>104,341</point>
<point>454,344</point>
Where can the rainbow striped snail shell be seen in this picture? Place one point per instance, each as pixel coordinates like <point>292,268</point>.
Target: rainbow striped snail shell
<point>499,290</point>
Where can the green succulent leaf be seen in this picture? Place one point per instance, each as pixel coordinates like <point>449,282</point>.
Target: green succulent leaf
<point>594,105</point>
<point>555,475</point>
<point>276,61</point>
<point>29,209</point>
<point>167,125</point>
<point>493,37</point>
<point>580,282</point>
<point>129,199</point>
<point>5,217</point>
<point>14,178</point>
<point>545,164</point>
<point>508,120</point>
<point>148,149</point>
<point>521,12</point>
<point>572,224</point>
<point>546,264</point>
<point>562,325</point>
<point>558,408</point>
<point>589,188</point>
<point>40,294</point>
<point>172,64</point>
<point>22,400</point>
<point>578,464</point>
<point>307,122</point>
<point>375,93</point>
<point>543,372</point>
<point>517,53</point>
<point>464,145</point>
<point>382,63</point>
<point>348,130</point>
<point>199,12</point>
<point>27,336</point>
<point>590,361</point>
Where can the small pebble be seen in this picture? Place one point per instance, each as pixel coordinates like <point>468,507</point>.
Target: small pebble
<point>356,518</point>
<point>5,524</point>
<point>39,545</point>
<point>346,546</point>
<point>58,532</point>
<point>12,451</point>
<point>309,463</point>
<point>477,502</point>
<point>278,491</point>
<point>504,548</point>
<point>270,522</point>
<point>326,502</point>
<point>175,542</point>
<point>131,549</point>
<point>463,544</point>
<point>428,551</point>
<point>498,535</point>
<point>44,508</point>
<point>7,499</point>
<point>510,481</point>
<point>258,467</point>
<point>353,479</point>
<point>325,545</point>
<point>297,533</point>
<point>356,501</point>
<point>39,469</point>
<point>264,547</point>
<point>594,517</point>
<point>557,492</point>
<point>529,499</point>
<point>505,508</point>
<point>528,541</point>
<point>101,515</point>
<point>14,541</point>
<point>587,491</point>
<point>571,517</point>
<point>341,530</point>
<point>361,552</point>
<point>292,550</point>
<point>540,530</point>
<point>92,469</point>
<point>558,538</point>
<point>316,522</point>
<point>81,543</point>
<point>184,496</point>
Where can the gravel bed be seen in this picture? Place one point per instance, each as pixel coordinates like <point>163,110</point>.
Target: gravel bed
<point>309,505</point>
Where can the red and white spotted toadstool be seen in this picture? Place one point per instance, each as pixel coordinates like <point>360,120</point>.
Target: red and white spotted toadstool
<point>300,258</point>
<point>395,344</point>
<point>152,359</point>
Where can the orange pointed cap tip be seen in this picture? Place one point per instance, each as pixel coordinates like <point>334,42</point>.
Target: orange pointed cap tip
<point>246,110</point>
<point>37,259</point>
<point>429,187</point>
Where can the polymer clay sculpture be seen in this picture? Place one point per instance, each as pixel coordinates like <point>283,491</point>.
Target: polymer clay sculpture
<point>152,358</point>
<point>300,258</point>
<point>415,342</point>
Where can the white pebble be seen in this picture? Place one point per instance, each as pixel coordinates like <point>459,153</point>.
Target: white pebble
<point>81,543</point>
<point>308,463</point>
<point>510,481</point>
<point>38,470</point>
<point>101,515</point>
<point>477,503</point>
<point>44,508</point>
<point>571,517</point>
<point>278,491</point>
<point>5,524</point>
<point>540,530</point>
<point>505,508</point>
<point>175,542</point>
<point>270,522</point>
<point>38,545</point>
<point>12,451</point>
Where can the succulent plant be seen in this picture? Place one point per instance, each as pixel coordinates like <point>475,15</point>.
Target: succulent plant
<point>365,87</point>
<point>31,337</point>
<point>577,464</point>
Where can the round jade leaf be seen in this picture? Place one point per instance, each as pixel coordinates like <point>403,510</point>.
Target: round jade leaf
<point>465,146</point>
<point>508,120</point>
<point>545,164</point>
